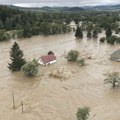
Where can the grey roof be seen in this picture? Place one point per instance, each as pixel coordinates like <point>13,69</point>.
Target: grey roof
<point>116,54</point>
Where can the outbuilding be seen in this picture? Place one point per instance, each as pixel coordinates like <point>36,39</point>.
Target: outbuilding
<point>115,55</point>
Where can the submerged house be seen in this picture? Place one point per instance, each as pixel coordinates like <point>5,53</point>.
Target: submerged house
<point>115,55</point>
<point>48,59</point>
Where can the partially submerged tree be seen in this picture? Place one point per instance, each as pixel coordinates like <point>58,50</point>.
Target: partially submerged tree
<point>83,113</point>
<point>95,34</point>
<point>102,39</point>
<point>89,34</point>
<point>108,32</point>
<point>78,33</point>
<point>72,55</point>
<point>113,79</point>
<point>16,56</point>
<point>111,40</point>
<point>50,52</point>
<point>81,61</point>
<point>30,69</point>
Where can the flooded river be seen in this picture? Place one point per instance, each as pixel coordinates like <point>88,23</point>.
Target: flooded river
<point>46,98</point>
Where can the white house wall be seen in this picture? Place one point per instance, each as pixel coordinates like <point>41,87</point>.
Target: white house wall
<point>40,62</point>
<point>53,62</point>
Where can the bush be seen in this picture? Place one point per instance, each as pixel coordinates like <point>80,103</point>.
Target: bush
<point>113,78</point>
<point>20,33</point>
<point>50,52</point>
<point>30,68</point>
<point>81,61</point>
<point>102,39</point>
<point>72,55</point>
<point>83,113</point>
<point>4,35</point>
<point>112,39</point>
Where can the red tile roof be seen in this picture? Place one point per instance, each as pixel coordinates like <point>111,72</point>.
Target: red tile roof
<point>48,58</point>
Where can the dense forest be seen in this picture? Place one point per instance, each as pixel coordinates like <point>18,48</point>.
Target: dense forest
<point>21,23</point>
<point>26,24</point>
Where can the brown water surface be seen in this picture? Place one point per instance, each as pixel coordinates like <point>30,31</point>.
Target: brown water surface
<point>47,98</point>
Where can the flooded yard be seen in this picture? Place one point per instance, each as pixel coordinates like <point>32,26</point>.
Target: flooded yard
<point>47,98</point>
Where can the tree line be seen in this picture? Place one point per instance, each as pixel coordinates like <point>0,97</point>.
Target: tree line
<point>28,23</point>
<point>21,23</point>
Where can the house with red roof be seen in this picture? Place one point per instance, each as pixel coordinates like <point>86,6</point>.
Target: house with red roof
<point>48,59</point>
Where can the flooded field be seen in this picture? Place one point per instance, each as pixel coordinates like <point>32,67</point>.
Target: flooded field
<point>47,98</point>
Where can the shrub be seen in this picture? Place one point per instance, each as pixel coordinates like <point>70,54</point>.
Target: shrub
<point>30,68</point>
<point>83,113</point>
<point>72,55</point>
<point>20,33</point>
<point>112,39</point>
<point>4,35</point>
<point>102,39</point>
<point>50,52</point>
<point>113,78</point>
<point>81,61</point>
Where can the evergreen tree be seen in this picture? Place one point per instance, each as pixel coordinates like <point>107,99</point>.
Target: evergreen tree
<point>95,34</point>
<point>78,33</point>
<point>89,34</point>
<point>27,31</point>
<point>16,56</point>
<point>108,32</point>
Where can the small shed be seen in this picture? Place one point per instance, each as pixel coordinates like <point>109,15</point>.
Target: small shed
<point>115,55</point>
<point>48,59</point>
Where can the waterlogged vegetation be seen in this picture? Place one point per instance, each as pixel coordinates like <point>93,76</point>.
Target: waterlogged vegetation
<point>18,23</point>
<point>83,113</point>
<point>16,56</point>
<point>72,55</point>
<point>18,62</point>
<point>30,69</point>
<point>27,24</point>
<point>113,79</point>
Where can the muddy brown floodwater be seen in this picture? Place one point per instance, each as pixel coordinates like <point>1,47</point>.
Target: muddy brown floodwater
<point>47,98</point>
